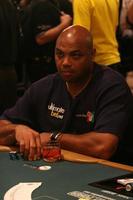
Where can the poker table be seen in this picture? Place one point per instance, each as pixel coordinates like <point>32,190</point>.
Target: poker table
<point>67,179</point>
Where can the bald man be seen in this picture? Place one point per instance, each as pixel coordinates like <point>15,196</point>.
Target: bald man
<point>85,107</point>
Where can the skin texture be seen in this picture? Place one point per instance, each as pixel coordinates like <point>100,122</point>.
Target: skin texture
<point>73,54</point>
<point>130,13</point>
<point>52,34</point>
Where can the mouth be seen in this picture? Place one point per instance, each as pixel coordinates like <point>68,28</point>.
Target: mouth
<point>66,74</point>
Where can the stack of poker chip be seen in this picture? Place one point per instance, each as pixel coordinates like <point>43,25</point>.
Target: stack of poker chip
<point>13,155</point>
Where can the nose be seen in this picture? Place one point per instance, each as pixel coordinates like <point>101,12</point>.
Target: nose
<point>66,61</point>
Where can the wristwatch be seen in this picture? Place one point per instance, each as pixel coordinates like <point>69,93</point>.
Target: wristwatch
<point>54,135</point>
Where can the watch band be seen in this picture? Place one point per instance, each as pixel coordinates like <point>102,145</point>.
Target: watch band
<point>54,136</point>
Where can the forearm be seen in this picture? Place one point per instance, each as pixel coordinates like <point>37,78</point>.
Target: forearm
<point>7,133</point>
<point>50,35</point>
<point>92,144</point>
<point>100,145</point>
<point>24,3</point>
<point>130,14</point>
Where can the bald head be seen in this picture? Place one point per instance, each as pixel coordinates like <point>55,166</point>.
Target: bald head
<point>74,54</point>
<point>77,34</point>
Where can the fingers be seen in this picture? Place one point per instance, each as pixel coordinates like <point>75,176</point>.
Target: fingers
<point>22,146</point>
<point>30,142</point>
<point>62,13</point>
<point>38,144</point>
<point>35,148</point>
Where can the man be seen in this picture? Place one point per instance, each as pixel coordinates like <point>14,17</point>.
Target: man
<point>8,55</point>
<point>101,18</point>
<point>85,106</point>
<point>130,14</point>
<point>42,22</point>
<point>125,36</point>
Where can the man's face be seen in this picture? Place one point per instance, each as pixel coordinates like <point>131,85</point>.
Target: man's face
<point>73,60</point>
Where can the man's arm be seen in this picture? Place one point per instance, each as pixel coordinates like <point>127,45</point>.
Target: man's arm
<point>52,34</point>
<point>7,133</point>
<point>130,14</point>
<point>100,145</point>
<point>27,138</point>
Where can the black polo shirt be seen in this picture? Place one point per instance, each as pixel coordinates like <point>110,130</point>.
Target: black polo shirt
<point>103,106</point>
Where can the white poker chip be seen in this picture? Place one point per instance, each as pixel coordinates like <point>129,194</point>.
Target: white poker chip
<point>44,167</point>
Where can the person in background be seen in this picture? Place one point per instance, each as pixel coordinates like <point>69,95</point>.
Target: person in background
<point>130,73</point>
<point>130,13</point>
<point>101,18</point>
<point>129,79</point>
<point>42,22</point>
<point>24,3</point>
<point>125,39</point>
<point>86,107</point>
<point>8,55</point>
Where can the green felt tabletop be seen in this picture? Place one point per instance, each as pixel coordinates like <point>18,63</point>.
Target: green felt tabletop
<point>62,178</point>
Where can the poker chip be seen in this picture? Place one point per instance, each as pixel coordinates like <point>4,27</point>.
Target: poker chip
<point>13,155</point>
<point>129,187</point>
<point>44,167</point>
<point>38,167</point>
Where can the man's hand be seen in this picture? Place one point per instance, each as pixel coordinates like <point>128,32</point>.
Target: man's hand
<point>65,19</point>
<point>45,138</point>
<point>29,141</point>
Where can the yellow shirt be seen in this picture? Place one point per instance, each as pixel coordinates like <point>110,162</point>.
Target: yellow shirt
<point>101,18</point>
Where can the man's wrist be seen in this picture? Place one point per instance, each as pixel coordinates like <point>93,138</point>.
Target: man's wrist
<point>55,136</point>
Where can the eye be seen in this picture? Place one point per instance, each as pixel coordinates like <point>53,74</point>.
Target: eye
<point>76,55</point>
<point>59,54</point>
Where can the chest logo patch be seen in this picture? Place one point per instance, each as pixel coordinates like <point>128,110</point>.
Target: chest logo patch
<point>57,112</point>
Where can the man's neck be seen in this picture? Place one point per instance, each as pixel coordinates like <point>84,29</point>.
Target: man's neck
<point>76,88</point>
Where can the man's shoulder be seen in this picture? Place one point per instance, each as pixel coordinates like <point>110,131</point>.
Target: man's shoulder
<point>44,87</point>
<point>36,6</point>
<point>51,79</point>
<point>106,78</point>
<point>43,3</point>
<point>107,73</point>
